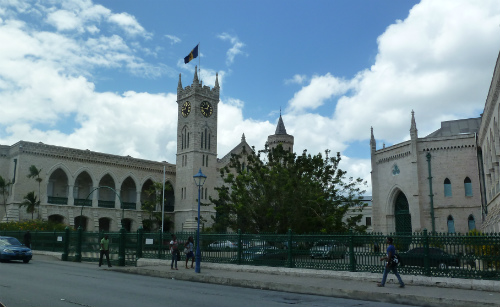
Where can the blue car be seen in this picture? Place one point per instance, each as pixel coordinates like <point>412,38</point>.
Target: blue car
<point>12,249</point>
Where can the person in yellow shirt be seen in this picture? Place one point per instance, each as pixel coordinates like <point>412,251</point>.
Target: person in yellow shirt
<point>104,250</point>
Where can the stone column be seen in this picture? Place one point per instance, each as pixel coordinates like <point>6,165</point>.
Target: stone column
<point>117,199</point>
<point>71,199</point>
<point>138,200</point>
<point>95,199</point>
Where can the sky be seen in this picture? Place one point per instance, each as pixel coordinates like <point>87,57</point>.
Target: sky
<point>102,75</point>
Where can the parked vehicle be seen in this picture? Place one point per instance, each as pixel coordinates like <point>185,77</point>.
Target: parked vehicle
<point>218,245</point>
<point>437,258</point>
<point>12,249</point>
<point>262,253</point>
<point>329,249</point>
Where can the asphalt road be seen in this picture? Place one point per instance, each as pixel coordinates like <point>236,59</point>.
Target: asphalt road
<point>45,281</point>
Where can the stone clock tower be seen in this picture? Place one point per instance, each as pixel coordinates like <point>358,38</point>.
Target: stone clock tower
<point>196,148</point>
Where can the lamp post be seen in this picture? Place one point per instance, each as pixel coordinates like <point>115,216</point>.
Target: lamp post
<point>199,180</point>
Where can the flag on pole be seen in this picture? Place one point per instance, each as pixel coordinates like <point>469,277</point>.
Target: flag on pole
<point>192,55</point>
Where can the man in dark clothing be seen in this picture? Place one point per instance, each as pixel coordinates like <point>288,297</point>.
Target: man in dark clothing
<point>27,239</point>
<point>391,250</point>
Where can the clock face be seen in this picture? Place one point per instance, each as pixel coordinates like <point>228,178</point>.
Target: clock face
<point>186,108</point>
<point>206,108</point>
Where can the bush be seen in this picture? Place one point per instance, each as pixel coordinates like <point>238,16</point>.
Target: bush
<point>32,225</point>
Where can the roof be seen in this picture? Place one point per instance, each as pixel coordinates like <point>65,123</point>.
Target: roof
<point>457,127</point>
<point>280,129</point>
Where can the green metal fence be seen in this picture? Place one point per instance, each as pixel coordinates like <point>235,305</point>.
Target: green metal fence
<point>475,256</point>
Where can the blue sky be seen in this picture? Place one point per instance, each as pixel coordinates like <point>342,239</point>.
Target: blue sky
<point>102,75</point>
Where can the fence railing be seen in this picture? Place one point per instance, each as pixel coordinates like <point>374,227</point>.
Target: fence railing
<point>444,255</point>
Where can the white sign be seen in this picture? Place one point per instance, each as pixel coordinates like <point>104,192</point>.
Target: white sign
<point>59,239</point>
<point>149,241</point>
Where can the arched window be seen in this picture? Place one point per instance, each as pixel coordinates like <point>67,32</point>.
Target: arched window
<point>468,186</point>
<point>447,188</point>
<point>472,222</point>
<point>451,224</point>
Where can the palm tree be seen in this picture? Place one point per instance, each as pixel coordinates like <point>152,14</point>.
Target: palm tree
<point>35,173</point>
<point>4,190</point>
<point>31,202</point>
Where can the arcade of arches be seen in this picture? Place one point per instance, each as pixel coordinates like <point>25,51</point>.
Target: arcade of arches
<point>85,191</point>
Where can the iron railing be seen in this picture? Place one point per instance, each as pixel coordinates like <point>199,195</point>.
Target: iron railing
<point>474,256</point>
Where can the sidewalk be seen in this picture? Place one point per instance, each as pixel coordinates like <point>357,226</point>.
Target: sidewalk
<point>419,290</point>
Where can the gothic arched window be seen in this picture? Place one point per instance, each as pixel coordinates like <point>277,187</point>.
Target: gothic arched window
<point>451,224</point>
<point>447,188</point>
<point>468,186</point>
<point>472,222</point>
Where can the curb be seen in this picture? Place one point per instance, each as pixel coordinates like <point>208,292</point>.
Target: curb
<point>384,297</point>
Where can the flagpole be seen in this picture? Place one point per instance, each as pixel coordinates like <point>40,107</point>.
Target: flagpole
<point>199,62</point>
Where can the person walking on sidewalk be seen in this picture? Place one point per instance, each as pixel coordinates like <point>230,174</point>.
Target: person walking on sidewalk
<point>188,248</point>
<point>390,265</point>
<point>104,250</point>
<point>174,250</point>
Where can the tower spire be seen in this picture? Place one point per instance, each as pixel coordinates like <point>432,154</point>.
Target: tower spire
<point>216,80</point>
<point>179,85</point>
<point>373,143</point>
<point>195,80</point>
<point>280,129</point>
<point>413,128</point>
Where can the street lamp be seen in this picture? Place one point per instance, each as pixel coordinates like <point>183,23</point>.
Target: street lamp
<point>199,180</point>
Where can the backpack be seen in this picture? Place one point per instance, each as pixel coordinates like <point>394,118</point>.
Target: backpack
<point>395,260</point>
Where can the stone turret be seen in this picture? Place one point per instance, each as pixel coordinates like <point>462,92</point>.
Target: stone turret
<point>280,137</point>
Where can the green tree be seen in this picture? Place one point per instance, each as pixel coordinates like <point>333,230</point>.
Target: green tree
<point>4,190</point>
<point>154,200</point>
<point>284,191</point>
<point>35,173</point>
<point>30,202</point>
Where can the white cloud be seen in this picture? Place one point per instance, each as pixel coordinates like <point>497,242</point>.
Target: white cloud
<point>438,62</point>
<point>297,79</point>
<point>320,89</point>
<point>237,45</point>
<point>173,39</point>
<point>129,24</point>
<point>64,20</point>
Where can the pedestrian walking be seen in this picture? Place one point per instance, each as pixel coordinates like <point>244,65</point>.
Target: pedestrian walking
<point>390,264</point>
<point>27,239</point>
<point>174,250</point>
<point>104,250</point>
<point>188,250</point>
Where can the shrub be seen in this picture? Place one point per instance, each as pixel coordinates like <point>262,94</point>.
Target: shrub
<point>32,225</point>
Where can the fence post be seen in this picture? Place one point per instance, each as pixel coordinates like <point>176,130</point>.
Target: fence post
<point>34,240</point>
<point>78,253</point>
<point>160,246</point>
<point>65,254</point>
<point>121,248</point>
<point>352,259</point>
<point>138,250</point>
<point>290,255</point>
<point>427,268</point>
<point>240,247</point>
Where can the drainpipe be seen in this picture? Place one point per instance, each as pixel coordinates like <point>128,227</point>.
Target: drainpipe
<point>431,195</point>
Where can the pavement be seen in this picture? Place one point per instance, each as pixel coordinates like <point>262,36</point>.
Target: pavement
<point>419,290</point>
